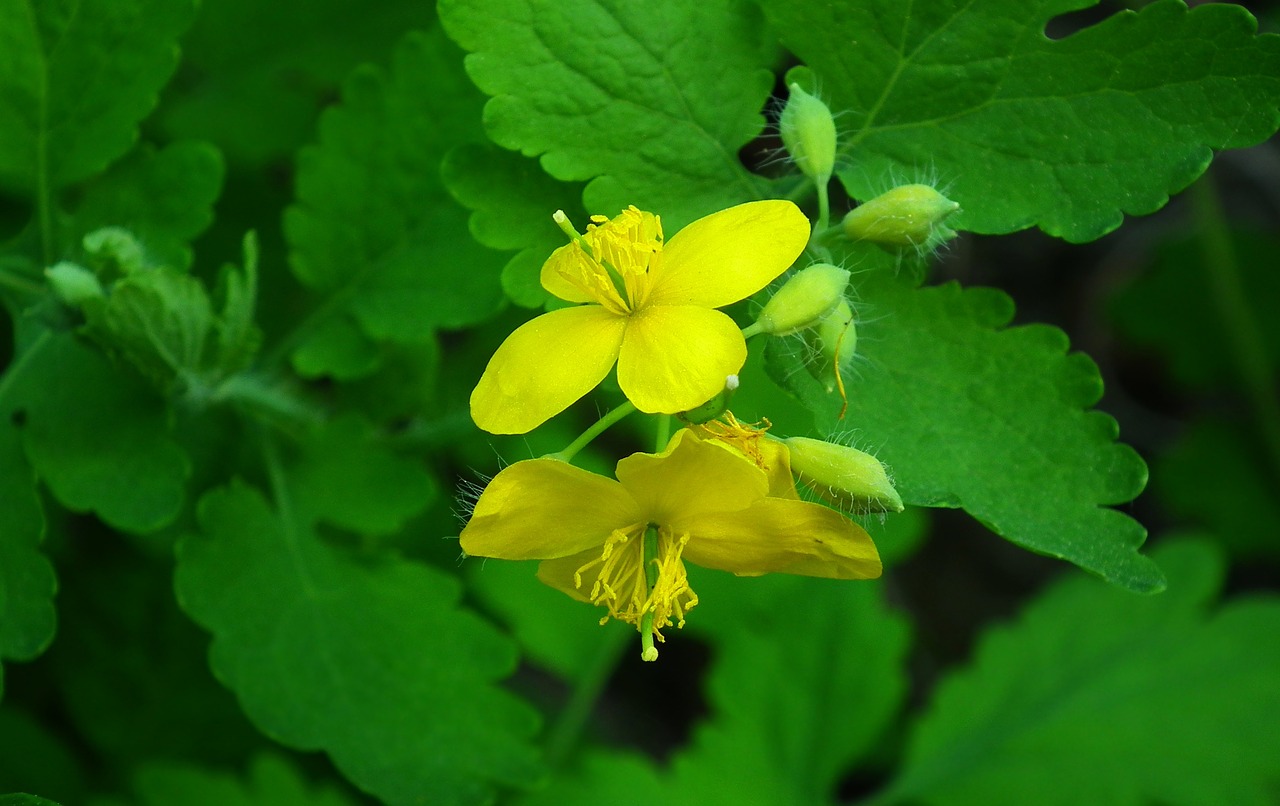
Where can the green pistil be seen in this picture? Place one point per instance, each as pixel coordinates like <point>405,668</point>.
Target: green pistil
<point>648,651</point>
<point>615,276</point>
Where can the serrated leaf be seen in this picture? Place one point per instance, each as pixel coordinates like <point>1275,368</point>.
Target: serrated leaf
<point>967,412</point>
<point>76,79</point>
<point>96,436</point>
<point>164,197</point>
<point>346,479</point>
<point>373,228</point>
<point>27,583</point>
<point>368,658</point>
<point>512,201</point>
<point>1022,130</point>
<point>649,101</point>
<point>1093,696</point>
<point>795,702</point>
<point>271,781</point>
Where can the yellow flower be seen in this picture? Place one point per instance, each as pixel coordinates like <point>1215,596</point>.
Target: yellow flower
<point>650,308</point>
<point>698,500</point>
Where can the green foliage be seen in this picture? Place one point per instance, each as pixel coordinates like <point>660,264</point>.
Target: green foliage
<point>1067,135</point>
<point>331,651</point>
<point>374,231</point>
<point>236,374</point>
<point>631,106</point>
<point>1186,693</point>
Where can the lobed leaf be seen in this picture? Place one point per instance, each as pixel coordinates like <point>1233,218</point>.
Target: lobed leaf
<point>1096,697</point>
<point>1022,130</point>
<point>96,436</point>
<point>76,79</point>
<point>373,229</point>
<point>649,101</point>
<point>27,583</point>
<point>368,658</point>
<point>271,781</point>
<point>967,412</point>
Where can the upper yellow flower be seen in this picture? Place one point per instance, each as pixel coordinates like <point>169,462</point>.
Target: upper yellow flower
<point>699,500</point>
<point>651,309</point>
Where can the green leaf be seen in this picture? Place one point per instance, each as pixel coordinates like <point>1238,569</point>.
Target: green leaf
<point>366,657</point>
<point>271,781</point>
<point>606,777</point>
<point>374,230</point>
<point>512,201</point>
<point>794,705</point>
<point>76,79</point>
<point>35,758</point>
<point>255,76</point>
<point>344,478</point>
<point>1175,310</point>
<point>27,583</point>
<point>1096,697</point>
<point>19,799</point>
<point>1217,476</point>
<point>1022,130</point>
<point>164,197</point>
<point>967,412</point>
<point>96,436</point>
<point>649,101</point>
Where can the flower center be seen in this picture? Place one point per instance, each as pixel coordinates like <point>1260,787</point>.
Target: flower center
<point>620,582</point>
<point>611,263</point>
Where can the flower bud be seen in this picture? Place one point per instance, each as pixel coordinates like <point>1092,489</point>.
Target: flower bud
<point>72,284</point>
<point>809,134</point>
<point>714,407</point>
<point>117,245</point>
<point>909,215</point>
<point>845,477</point>
<point>804,300</point>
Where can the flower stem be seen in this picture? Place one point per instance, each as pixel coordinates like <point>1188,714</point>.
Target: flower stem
<point>664,433</point>
<point>586,692</point>
<point>1244,335</point>
<point>754,329</point>
<point>611,417</point>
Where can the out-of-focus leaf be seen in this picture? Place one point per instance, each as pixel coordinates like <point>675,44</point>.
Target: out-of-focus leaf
<point>366,657</point>
<point>96,436</point>
<point>1217,477</point>
<point>271,781</point>
<point>1093,696</point>
<point>27,583</point>
<point>76,79</point>
<point>34,759</point>
<point>22,799</point>
<point>1067,135</point>
<point>373,230</point>
<point>512,202</point>
<point>967,412</point>
<point>649,101</point>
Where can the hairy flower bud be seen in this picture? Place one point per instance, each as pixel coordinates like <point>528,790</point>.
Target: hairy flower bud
<point>74,285</point>
<point>804,300</point>
<point>845,477</point>
<point>809,134</point>
<point>909,215</point>
<point>837,338</point>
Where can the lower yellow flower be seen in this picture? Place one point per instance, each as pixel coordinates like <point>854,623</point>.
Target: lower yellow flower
<point>622,544</point>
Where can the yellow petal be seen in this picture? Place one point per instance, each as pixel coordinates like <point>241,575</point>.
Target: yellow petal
<point>566,262</point>
<point>729,255</point>
<point>676,358</point>
<point>777,463</point>
<point>560,573</point>
<point>545,508</point>
<point>544,366</point>
<point>781,536</point>
<point>691,478</point>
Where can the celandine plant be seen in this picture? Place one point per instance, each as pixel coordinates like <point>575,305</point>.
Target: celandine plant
<point>276,275</point>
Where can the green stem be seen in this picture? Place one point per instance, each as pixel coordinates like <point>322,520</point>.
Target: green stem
<point>18,283</point>
<point>754,329</point>
<point>664,433</point>
<point>824,207</point>
<point>1244,335</point>
<point>586,692</point>
<point>613,416</point>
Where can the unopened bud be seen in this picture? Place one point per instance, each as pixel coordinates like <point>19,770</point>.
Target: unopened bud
<point>804,300</point>
<point>714,407</point>
<point>845,477</point>
<point>910,215</point>
<point>117,245</point>
<point>837,338</point>
<point>809,134</point>
<point>72,284</point>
